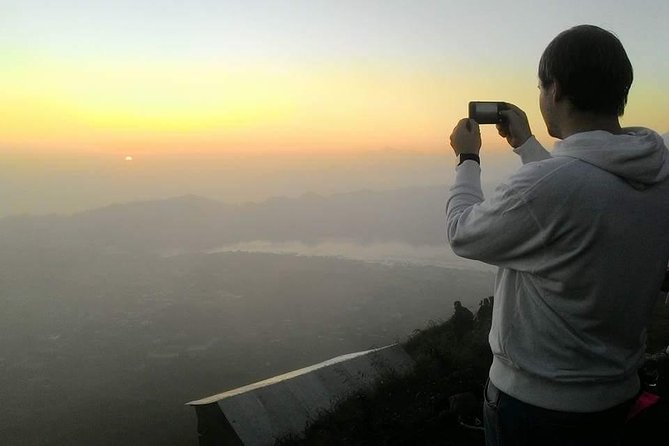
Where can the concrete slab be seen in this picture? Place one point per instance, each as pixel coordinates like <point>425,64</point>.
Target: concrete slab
<point>260,413</point>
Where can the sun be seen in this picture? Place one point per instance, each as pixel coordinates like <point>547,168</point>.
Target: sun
<point>128,158</point>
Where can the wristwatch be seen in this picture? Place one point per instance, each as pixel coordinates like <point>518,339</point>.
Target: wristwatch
<point>469,156</point>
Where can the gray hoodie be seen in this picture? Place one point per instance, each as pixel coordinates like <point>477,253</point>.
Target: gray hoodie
<point>581,239</point>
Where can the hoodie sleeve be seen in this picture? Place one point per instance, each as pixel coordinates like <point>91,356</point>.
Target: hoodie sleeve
<point>501,230</point>
<point>532,150</point>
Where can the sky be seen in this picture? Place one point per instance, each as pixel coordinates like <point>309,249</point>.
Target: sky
<point>110,101</point>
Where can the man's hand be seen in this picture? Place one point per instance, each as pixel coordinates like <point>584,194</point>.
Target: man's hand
<point>515,128</point>
<point>466,137</point>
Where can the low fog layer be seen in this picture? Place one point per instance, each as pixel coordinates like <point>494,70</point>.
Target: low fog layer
<point>385,253</point>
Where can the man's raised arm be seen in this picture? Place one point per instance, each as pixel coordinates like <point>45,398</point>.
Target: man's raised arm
<point>516,129</point>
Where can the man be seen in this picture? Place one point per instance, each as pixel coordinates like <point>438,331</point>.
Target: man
<point>581,239</point>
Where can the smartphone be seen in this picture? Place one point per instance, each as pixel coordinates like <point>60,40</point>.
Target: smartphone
<point>486,112</point>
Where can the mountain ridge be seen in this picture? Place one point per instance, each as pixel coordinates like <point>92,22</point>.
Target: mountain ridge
<point>190,222</point>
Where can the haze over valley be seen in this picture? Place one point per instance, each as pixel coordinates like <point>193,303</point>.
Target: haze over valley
<point>115,317</point>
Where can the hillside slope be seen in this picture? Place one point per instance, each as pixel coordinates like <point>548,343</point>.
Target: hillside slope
<point>452,360</point>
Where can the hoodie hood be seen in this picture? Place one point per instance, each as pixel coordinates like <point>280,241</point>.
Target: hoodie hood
<point>640,155</point>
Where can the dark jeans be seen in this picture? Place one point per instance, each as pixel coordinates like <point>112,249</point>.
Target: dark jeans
<point>510,422</point>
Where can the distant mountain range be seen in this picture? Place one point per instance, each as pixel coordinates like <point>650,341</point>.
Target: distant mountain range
<point>191,223</point>
<point>414,216</point>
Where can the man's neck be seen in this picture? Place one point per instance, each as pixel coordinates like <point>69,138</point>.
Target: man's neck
<point>587,122</point>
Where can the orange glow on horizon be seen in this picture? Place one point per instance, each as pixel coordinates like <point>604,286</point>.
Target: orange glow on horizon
<point>158,107</point>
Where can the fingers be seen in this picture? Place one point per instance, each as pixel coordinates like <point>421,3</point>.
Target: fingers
<point>466,137</point>
<point>459,127</point>
<point>474,126</point>
<point>511,115</point>
<point>470,125</point>
<point>502,129</point>
<point>513,118</point>
<point>515,126</point>
<point>513,108</point>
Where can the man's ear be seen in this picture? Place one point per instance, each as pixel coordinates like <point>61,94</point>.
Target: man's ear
<point>557,92</point>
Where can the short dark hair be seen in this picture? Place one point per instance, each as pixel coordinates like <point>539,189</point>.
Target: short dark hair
<point>591,67</point>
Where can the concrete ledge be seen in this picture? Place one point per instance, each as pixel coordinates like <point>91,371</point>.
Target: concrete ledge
<point>261,413</point>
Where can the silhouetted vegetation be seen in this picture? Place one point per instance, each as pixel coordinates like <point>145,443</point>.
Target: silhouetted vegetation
<point>414,409</point>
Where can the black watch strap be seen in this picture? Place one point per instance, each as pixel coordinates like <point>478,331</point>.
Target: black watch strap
<point>469,156</point>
